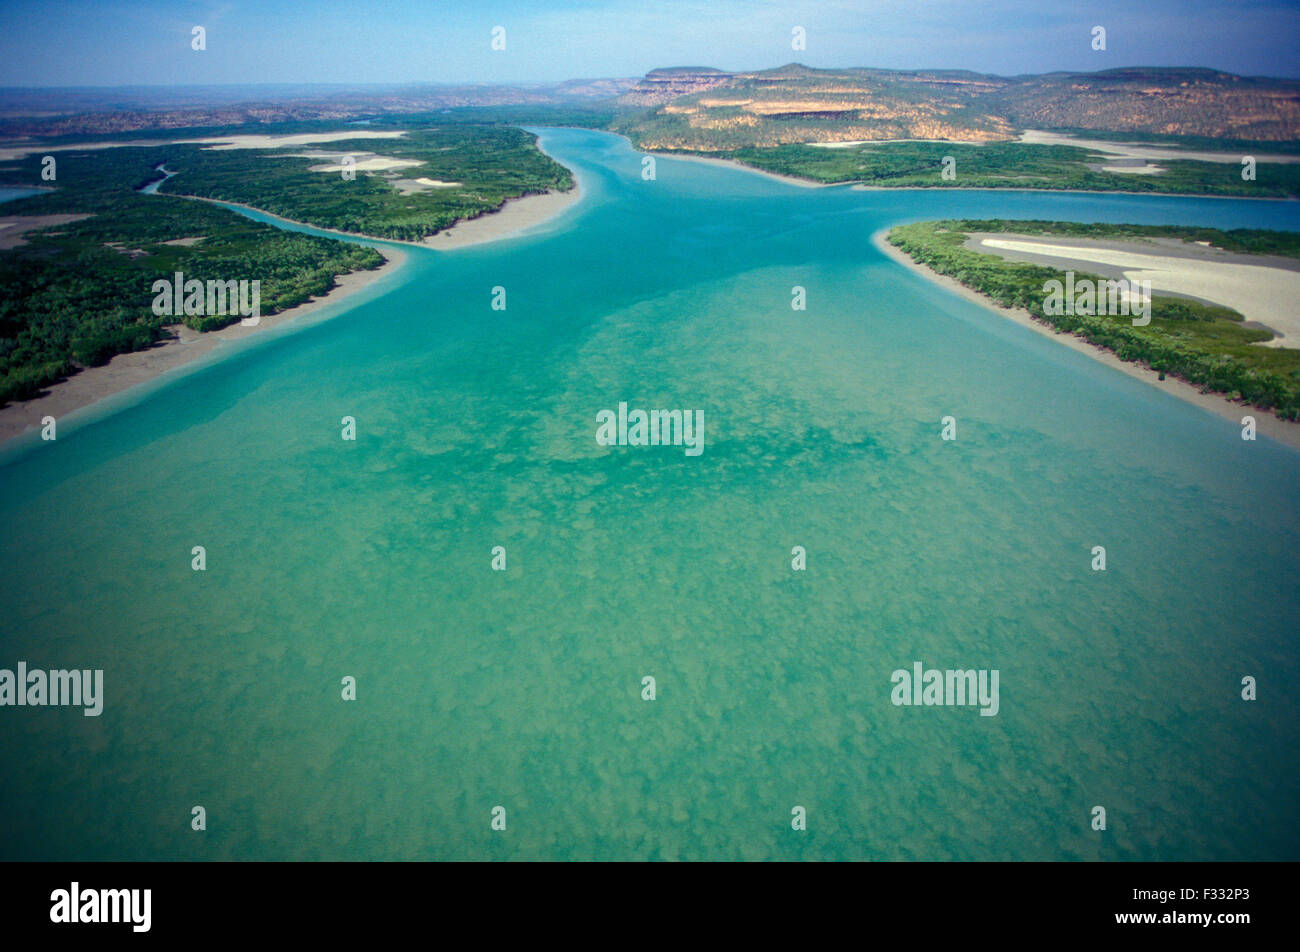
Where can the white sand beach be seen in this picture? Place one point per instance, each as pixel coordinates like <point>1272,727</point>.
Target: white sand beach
<point>733,164</point>
<point>1266,295</point>
<point>1127,150</point>
<point>376,163</point>
<point>1271,426</point>
<point>513,217</point>
<point>852,143</point>
<point>1134,169</point>
<point>278,142</point>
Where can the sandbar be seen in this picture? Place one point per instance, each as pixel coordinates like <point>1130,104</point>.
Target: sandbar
<point>1267,423</point>
<point>1261,293</point>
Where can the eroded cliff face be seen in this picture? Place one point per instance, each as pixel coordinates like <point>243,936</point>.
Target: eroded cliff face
<point>1175,102</point>
<point>709,110</point>
<point>660,86</point>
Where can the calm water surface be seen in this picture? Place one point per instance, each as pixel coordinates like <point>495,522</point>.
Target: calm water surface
<point>522,688</point>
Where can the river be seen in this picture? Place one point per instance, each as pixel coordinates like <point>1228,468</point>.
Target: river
<point>372,559</point>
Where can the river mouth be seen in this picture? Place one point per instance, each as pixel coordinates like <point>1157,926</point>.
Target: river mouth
<point>475,428</point>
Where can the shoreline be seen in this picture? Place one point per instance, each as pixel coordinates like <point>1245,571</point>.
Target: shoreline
<point>733,164</point>
<point>124,372</point>
<point>858,185</point>
<point>1266,422</point>
<point>512,218</point>
<point>516,215</point>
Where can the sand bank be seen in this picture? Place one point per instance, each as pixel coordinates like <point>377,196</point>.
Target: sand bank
<point>514,216</point>
<point>129,370</point>
<point>733,164</point>
<point>1138,150</point>
<point>1134,169</point>
<point>853,143</point>
<point>1267,424</point>
<point>1262,294</point>
<point>510,219</point>
<point>15,227</point>
<point>220,143</point>
<point>377,163</point>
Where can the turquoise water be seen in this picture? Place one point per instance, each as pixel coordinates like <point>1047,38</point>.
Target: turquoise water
<point>522,688</point>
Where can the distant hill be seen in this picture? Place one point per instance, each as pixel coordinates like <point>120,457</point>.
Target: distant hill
<point>664,85</point>
<point>1184,102</point>
<point>111,111</point>
<point>701,109</point>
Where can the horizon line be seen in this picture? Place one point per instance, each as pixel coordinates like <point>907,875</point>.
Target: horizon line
<point>580,79</point>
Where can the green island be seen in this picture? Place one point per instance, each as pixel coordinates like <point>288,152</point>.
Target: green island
<point>1009,165</point>
<point>76,292</point>
<point>1203,344</point>
<point>479,168</point>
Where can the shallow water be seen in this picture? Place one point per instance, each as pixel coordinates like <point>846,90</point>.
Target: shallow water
<point>475,428</point>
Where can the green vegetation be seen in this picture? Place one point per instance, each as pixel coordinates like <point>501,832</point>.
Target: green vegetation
<point>491,165</point>
<point>77,294</point>
<point>1202,344</point>
<point>1011,165</point>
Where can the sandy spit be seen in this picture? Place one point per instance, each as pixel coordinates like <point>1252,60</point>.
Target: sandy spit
<point>221,143</point>
<point>512,217</point>
<point>733,164</point>
<point>1266,423</point>
<point>1262,294</point>
<point>1142,150</point>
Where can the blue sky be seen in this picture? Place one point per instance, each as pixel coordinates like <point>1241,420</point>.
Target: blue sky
<point>121,42</point>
